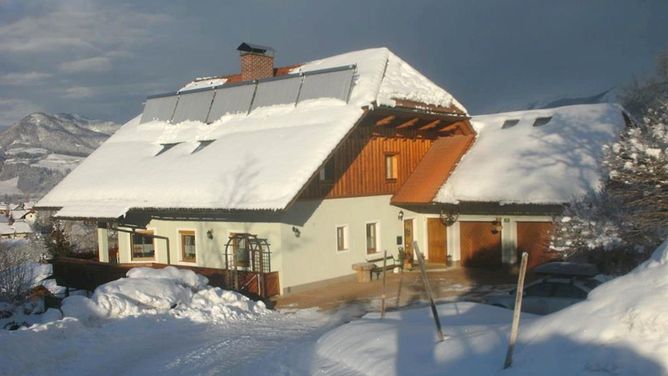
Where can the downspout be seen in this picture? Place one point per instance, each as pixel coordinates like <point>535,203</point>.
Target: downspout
<point>166,239</point>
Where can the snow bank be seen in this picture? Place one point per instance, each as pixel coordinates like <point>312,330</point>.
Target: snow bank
<point>619,330</point>
<point>177,292</point>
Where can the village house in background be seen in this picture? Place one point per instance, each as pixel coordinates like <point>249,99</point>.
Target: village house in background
<point>17,220</point>
<point>299,172</point>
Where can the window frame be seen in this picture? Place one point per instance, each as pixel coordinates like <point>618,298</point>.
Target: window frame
<point>182,246</point>
<point>392,169</point>
<point>146,233</point>
<point>344,245</point>
<point>376,229</point>
<point>327,172</point>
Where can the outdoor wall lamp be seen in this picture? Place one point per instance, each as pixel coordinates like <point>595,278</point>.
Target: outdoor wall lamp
<point>209,234</point>
<point>401,215</point>
<point>448,218</point>
<point>496,226</point>
<point>296,231</point>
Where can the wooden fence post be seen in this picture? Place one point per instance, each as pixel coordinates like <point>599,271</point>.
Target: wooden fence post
<point>401,277</point>
<point>427,287</point>
<point>382,298</point>
<point>516,313</point>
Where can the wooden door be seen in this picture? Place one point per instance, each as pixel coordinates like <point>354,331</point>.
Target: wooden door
<point>534,238</point>
<point>480,244</point>
<point>408,238</point>
<point>436,231</point>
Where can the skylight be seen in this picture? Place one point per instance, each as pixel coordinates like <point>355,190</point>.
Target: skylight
<point>540,121</point>
<point>510,123</point>
<point>166,147</point>
<point>202,145</point>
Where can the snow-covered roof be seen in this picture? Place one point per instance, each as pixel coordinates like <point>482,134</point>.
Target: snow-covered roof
<point>520,163</point>
<point>18,227</point>
<point>259,160</point>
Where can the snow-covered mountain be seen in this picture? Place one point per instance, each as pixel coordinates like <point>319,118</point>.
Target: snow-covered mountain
<point>42,148</point>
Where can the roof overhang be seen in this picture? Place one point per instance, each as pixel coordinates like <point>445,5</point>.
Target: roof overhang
<point>92,211</point>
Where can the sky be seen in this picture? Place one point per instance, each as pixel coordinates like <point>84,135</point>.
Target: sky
<point>101,58</point>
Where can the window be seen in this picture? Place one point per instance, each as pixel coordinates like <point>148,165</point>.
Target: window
<point>341,238</point>
<point>188,253</point>
<point>371,238</point>
<point>327,171</point>
<point>391,167</point>
<point>142,245</point>
<point>540,121</point>
<point>166,147</point>
<point>510,123</point>
<point>202,145</point>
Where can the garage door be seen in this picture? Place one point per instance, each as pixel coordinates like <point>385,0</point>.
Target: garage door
<point>480,244</point>
<point>534,238</point>
<point>437,240</point>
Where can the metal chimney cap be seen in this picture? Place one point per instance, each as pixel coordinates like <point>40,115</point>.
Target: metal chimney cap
<point>255,48</point>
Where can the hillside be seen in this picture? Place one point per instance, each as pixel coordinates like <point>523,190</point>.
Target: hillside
<point>38,151</point>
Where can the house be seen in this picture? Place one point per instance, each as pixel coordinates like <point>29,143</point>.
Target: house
<point>18,229</point>
<point>322,164</point>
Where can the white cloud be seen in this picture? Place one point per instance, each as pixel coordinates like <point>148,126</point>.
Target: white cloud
<point>79,27</point>
<point>93,64</point>
<point>78,92</point>
<point>23,78</point>
<point>13,110</point>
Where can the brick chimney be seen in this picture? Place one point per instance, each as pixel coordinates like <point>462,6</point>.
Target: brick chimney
<point>257,61</point>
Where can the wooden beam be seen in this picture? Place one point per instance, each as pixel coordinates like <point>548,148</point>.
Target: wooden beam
<point>387,120</point>
<point>408,123</point>
<point>449,127</point>
<point>430,125</point>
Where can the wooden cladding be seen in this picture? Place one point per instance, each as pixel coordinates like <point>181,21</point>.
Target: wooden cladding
<point>360,163</point>
<point>480,244</point>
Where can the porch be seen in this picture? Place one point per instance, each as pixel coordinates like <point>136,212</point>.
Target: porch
<point>88,274</point>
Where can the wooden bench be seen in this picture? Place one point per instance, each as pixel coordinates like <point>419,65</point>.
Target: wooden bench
<point>390,264</point>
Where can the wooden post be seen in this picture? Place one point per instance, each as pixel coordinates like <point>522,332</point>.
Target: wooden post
<point>516,313</point>
<point>401,276</point>
<point>382,297</point>
<point>427,287</point>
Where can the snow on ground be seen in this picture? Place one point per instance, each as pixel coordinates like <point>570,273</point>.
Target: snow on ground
<point>170,323</point>
<point>9,187</point>
<point>619,330</point>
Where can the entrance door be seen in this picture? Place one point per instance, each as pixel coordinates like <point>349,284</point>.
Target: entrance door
<point>480,244</point>
<point>436,231</point>
<point>408,238</point>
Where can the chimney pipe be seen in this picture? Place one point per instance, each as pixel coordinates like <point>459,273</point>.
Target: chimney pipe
<point>257,61</point>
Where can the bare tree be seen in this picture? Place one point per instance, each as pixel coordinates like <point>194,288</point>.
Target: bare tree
<point>17,260</point>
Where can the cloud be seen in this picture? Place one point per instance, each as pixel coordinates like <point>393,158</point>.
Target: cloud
<point>79,27</point>
<point>13,110</point>
<point>78,92</point>
<point>27,78</point>
<point>93,64</point>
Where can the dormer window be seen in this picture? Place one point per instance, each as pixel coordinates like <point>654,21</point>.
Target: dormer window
<point>510,123</point>
<point>202,145</point>
<point>540,121</point>
<point>166,147</point>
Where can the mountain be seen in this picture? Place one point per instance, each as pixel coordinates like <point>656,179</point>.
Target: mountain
<point>42,148</point>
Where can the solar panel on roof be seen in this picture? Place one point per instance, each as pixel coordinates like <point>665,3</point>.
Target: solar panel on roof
<point>280,91</point>
<point>231,100</point>
<point>331,84</point>
<point>159,108</point>
<point>193,106</point>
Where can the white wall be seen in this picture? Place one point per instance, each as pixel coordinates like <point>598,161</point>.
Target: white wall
<point>313,255</point>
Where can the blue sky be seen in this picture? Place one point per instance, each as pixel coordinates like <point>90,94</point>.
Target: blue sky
<point>101,58</point>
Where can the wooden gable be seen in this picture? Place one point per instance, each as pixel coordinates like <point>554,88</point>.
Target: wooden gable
<point>357,167</point>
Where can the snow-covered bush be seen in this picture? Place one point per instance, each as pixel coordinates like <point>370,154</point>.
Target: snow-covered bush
<point>17,260</point>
